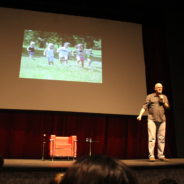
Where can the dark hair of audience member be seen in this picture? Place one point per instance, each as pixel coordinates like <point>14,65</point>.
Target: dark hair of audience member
<point>167,181</point>
<point>99,169</point>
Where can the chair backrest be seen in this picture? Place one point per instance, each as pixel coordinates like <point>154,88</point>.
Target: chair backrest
<point>64,139</point>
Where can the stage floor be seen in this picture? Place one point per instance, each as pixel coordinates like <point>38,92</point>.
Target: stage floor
<point>21,171</point>
<point>58,164</point>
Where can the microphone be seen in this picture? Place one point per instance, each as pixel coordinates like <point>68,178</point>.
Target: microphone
<point>161,97</point>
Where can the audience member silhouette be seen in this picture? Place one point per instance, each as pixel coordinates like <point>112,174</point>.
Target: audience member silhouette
<point>99,169</point>
<point>167,181</point>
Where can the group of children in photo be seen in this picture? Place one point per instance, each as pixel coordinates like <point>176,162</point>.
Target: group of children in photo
<point>64,52</point>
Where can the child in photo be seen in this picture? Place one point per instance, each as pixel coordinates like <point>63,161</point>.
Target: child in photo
<point>80,54</point>
<point>89,55</point>
<point>49,53</point>
<point>64,52</point>
<point>31,49</point>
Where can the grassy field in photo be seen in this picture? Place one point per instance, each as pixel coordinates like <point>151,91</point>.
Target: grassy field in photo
<point>38,68</point>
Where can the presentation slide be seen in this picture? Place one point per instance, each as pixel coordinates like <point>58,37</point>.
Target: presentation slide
<point>54,56</point>
<point>68,63</point>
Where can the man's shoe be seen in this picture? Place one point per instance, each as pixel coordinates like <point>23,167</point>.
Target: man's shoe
<point>151,159</point>
<point>163,159</point>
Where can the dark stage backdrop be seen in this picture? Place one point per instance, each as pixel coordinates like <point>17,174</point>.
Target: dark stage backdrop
<point>21,132</point>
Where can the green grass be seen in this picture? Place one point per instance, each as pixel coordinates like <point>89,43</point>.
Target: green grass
<point>38,68</point>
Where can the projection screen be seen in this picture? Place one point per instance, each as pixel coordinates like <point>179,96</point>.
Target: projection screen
<point>60,62</point>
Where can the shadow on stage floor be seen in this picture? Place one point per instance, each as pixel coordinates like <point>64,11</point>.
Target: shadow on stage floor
<point>28,171</point>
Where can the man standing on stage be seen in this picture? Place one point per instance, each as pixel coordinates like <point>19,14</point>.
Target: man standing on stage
<point>155,104</point>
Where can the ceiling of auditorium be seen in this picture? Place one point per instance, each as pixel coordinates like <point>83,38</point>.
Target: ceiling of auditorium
<point>129,10</point>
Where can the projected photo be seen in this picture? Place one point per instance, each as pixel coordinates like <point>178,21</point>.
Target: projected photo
<point>57,56</point>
